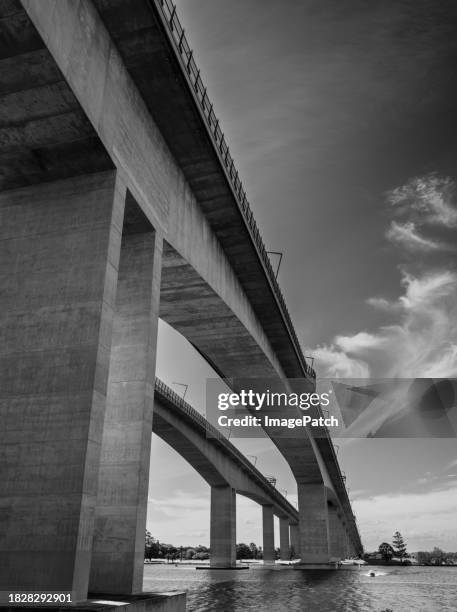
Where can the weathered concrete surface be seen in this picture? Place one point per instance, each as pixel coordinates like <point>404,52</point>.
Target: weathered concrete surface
<point>223,527</point>
<point>284,539</point>
<point>268,534</point>
<point>59,254</point>
<point>44,133</point>
<point>89,62</point>
<point>118,548</point>
<point>314,529</point>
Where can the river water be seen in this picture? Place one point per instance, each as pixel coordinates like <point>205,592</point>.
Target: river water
<point>400,589</point>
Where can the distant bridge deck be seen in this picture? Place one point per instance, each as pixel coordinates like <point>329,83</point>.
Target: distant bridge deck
<point>184,411</point>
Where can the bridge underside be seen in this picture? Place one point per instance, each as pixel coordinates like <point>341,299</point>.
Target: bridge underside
<point>47,136</point>
<point>107,216</point>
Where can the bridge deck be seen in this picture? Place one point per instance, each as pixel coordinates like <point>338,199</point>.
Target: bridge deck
<point>185,411</point>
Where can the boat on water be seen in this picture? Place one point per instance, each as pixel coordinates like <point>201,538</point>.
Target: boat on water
<point>353,562</point>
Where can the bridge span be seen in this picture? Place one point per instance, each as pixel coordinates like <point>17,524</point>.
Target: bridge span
<point>228,472</point>
<point>120,203</point>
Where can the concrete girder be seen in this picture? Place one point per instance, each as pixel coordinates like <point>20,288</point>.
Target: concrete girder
<point>216,467</point>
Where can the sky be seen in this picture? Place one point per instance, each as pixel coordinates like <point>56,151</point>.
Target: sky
<point>341,120</point>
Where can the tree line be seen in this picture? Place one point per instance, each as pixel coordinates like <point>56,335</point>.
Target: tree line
<point>153,549</point>
<point>436,557</point>
<point>398,550</point>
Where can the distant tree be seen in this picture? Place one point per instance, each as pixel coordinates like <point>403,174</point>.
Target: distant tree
<point>399,545</point>
<point>151,547</point>
<point>423,557</point>
<point>243,551</point>
<point>254,550</point>
<point>386,551</point>
<point>190,553</point>
<point>437,556</point>
<point>201,549</point>
<point>201,555</point>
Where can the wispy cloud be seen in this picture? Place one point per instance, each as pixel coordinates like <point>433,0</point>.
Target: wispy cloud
<point>425,204</point>
<point>429,199</point>
<point>423,343</point>
<point>407,236</point>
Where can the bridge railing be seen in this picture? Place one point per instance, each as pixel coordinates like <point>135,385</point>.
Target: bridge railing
<point>185,54</point>
<point>179,403</point>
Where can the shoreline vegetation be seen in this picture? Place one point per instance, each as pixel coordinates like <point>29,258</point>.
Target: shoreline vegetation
<point>397,554</point>
<point>161,552</point>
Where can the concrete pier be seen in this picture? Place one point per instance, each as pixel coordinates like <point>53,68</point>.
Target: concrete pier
<point>223,527</point>
<point>284,539</point>
<point>314,529</point>
<point>60,244</point>
<point>118,548</point>
<point>268,535</point>
<point>343,538</point>
<point>335,533</point>
<point>295,540</point>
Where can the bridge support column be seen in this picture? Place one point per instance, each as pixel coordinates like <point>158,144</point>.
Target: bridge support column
<point>313,517</point>
<point>284,540</point>
<point>295,541</point>
<point>268,535</point>
<point>223,527</point>
<point>351,551</point>
<point>343,539</point>
<point>59,251</point>
<point>335,533</point>
<point>118,549</point>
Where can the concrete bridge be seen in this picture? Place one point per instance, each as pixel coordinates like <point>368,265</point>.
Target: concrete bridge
<point>228,472</point>
<point>120,203</point>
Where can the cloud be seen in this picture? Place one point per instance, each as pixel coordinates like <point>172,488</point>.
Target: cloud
<point>422,340</point>
<point>178,501</point>
<point>429,199</point>
<point>425,204</point>
<point>333,362</point>
<point>406,235</point>
<point>359,342</point>
<point>422,293</point>
<point>423,343</point>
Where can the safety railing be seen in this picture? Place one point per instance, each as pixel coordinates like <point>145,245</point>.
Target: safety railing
<point>177,402</point>
<point>185,54</point>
